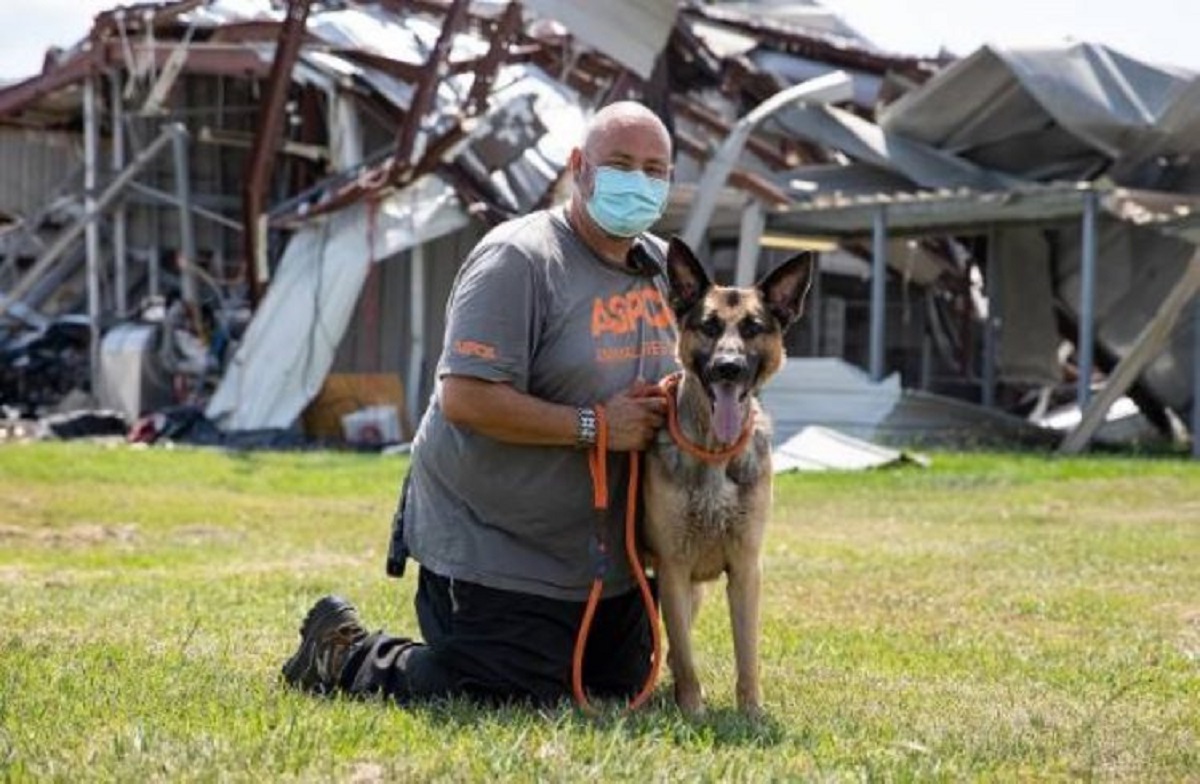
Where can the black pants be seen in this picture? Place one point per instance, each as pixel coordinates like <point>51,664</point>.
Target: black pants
<point>496,645</point>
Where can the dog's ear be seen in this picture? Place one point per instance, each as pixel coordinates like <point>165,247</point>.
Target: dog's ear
<point>784,289</point>
<point>688,279</point>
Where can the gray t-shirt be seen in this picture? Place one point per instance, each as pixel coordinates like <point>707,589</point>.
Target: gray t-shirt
<point>534,307</point>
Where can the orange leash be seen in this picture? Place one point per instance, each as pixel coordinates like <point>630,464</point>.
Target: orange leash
<point>598,463</point>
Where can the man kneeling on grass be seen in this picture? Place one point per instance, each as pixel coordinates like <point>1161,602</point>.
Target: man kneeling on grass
<point>498,501</point>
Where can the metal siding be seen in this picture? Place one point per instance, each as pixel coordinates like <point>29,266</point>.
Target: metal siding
<point>445,256</point>
<point>212,167</point>
<point>632,32</point>
<point>385,350</point>
<point>34,165</point>
<point>396,292</point>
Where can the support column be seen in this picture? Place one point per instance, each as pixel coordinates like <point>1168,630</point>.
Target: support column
<point>753,221</point>
<point>1087,296</point>
<point>120,252</point>
<point>816,315</point>
<point>1196,376</point>
<point>878,292</point>
<point>990,327</point>
<point>927,347</point>
<point>416,331</point>
<point>91,155</point>
<point>187,230</point>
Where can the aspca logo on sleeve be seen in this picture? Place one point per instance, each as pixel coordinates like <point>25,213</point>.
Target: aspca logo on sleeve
<point>473,348</point>
<point>620,314</point>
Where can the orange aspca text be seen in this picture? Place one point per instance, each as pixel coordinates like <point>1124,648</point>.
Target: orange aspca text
<point>620,313</point>
<point>473,348</point>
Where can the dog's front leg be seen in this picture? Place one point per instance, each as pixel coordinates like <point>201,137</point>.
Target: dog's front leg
<point>675,591</point>
<point>743,589</point>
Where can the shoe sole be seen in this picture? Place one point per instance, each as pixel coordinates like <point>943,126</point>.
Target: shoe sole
<point>298,666</point>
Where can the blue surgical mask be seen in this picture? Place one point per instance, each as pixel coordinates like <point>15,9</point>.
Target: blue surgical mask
<point>626,203</point>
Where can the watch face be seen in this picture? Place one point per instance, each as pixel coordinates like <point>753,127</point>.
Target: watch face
<point>586,426</point>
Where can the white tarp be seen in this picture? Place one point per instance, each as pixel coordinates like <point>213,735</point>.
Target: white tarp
<point>289,347</point>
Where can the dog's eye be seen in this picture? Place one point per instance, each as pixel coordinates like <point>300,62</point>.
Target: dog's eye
<point>712,327</point>
<point>751,328</point>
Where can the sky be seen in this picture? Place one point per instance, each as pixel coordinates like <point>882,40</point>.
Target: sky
<point>1160,31</point>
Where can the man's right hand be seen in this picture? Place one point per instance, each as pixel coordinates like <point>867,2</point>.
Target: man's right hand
<point>634,416</point>
<point>498,411</point>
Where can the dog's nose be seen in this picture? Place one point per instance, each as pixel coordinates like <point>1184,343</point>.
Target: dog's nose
<point>729,368</point>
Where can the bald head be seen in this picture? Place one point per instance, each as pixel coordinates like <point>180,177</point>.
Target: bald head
<point>621,118</point>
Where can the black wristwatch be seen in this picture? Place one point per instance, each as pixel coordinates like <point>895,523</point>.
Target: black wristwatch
<point>585,428</point>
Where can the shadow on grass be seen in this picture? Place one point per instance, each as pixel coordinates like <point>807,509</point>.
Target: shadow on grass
<point>659,718</point>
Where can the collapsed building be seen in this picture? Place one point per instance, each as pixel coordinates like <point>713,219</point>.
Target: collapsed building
<point>257,208</point>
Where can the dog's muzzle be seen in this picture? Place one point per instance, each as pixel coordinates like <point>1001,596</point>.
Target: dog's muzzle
<point>729,369</point>
<point>727,382</point>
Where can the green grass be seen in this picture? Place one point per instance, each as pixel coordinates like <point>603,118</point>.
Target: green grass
<point>993,617</point>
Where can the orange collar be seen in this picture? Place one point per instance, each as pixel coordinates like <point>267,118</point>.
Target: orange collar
<point>670,386</point>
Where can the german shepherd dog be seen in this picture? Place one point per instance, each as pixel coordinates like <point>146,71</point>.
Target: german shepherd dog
<point>707,488</point>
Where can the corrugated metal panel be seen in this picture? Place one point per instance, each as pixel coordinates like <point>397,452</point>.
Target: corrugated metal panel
<point>963,208</point>
<point>445,256</point>
<point>381,346</point>
<point>631,32</point>
<point>998,105</point>
<point>215,169</point>
<point>34,165</point>
<point>807,16</point>
<point>832,393</point>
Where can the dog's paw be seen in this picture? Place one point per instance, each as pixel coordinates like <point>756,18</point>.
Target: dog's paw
<point>690,702</point>
<point>749,699</point>
<point>753,711</point>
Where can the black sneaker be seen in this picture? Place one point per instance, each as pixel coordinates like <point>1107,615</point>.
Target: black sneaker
<point>331,631</point>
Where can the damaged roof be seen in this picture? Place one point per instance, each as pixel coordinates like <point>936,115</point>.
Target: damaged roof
<point>379,52</point>
<point>1005,136</point>
<point>964,210</point>
<point>1070,112</point>
<point>479,103</point>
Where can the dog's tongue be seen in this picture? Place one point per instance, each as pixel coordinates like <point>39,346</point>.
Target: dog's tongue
<point>727,413</point>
